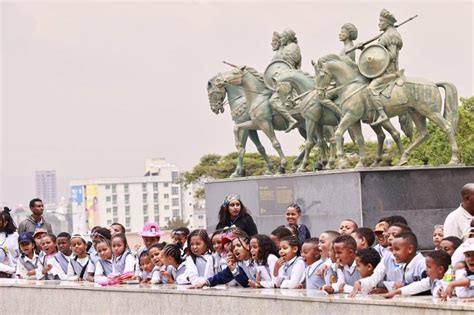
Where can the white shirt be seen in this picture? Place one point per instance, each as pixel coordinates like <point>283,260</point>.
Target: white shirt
<point>457,223</point>
<point>192,274</point>
<point>290,279</point>
<point>57,270</point>
<point>11,243</point>
<point>21,270</point>
<point>267,280</point>
<point>82,261</point>
<point>341,278</point>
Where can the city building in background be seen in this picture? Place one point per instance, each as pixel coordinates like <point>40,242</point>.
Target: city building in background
<point>46,188</point>
<point>156,196</point>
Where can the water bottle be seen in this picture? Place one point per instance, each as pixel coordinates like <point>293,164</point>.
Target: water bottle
<point>449,275</point>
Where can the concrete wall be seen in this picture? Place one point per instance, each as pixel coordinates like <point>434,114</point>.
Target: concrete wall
<point>77,298</point>
<point>422,195</point>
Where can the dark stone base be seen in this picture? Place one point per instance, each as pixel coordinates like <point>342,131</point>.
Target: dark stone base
<point>423,195</point>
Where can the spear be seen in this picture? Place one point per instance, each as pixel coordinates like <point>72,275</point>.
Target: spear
<point>378,36</point>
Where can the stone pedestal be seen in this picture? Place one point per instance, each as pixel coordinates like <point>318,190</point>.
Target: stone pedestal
<point>423,195</point>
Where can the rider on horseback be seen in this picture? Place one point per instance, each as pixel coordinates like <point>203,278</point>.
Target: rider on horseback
<point>392,41</point>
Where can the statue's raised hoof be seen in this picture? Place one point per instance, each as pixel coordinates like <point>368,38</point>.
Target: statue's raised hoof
<point>281,170</point>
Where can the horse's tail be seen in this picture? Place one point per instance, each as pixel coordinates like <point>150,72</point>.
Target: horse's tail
<point>406,123</point>
<point>451,111</point>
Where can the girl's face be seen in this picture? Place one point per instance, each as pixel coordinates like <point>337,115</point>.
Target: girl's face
<point>118,246</point>
<point>115,229</point>
<point>48,246</point>
<point>254,249</point>
<point>27,249</point>
<point>392,232</point>
<point>78,246</point>
<point>146,264</point>
<point>324,244</point>
<point>447,246</point>
<point>165,259</point>
<point>310,253</point>
<point>155,255</point>
<point>292,216</point>
<point>240,249</point>
<point>103,250</point>
<point>234,208</point>
<point>149,241</point>
<point>437,237</point>
<point>217,243</point>
<point>198,246</point>
<point>275,240</point>
<point>469,259</point>
<point>287,252</point>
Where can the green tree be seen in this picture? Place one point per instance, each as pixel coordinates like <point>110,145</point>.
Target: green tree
<point>176,223</point>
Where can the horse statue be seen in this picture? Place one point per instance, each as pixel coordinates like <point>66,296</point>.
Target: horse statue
<point>217,93</point>
<point>421,99</point>
<point>260,114</point>
<point>316,116</point>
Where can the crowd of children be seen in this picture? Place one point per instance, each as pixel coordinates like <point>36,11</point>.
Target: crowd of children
<point>352,260</point>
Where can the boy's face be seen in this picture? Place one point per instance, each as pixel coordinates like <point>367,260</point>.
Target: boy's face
<point>433,270</point>
<point>78,246</point>
<point>115,229</point>
<point>104,251</point>
<point>179,238</point>
<point>292,216</point>
<point>287,252</point>
<point>346,228</point>
<point>310,253</point>
<point>402,251</point>
<point>391,233</point>
<point>437,237</point>
<point>149,241</point>
<point>64,245</point>
<point>361,243</point>
<point>345,256</point>
<point>447,246</point>
<point>27,248</point>
<point>146,264</point>
<point>364,270</point>
<point>324,244</point>
<point>469,260</point>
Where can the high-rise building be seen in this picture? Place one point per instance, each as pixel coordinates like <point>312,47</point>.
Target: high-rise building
<point>46,187</point>
<point>156,197</point>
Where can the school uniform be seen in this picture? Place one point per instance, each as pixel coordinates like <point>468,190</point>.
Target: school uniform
<point>346,275</point>
<point>25,264</point>
<point>312,280</point>
<point>45,260</point>
<point>197,270</point>
<point>59,263</point>
<point>267,279</point>
<point>330,277</point>
<point>219,262</point>
<point>10,244</point>
<point>425,284</point>
<point>123,263</point>
<point>156,277</point>
<point>103,268</point>
<point>389,270</point>
<point>381,250</point>
<point>78,267</point>
<point>178,274</point>
<point>291,273</point>
<point>241,274</point>
<point>7,268</point>
<point>465,292</point>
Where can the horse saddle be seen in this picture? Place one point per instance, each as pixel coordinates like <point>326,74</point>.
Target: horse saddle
<point>400,80</point>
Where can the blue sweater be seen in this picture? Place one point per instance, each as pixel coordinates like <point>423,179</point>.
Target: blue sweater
<point>226,276</point>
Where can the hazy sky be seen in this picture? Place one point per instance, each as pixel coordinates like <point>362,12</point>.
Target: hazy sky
<point>91,89</point>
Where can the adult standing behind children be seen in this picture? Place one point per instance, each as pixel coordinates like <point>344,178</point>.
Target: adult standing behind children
<point>233,212</point>
<point>458,222</point>
<point>36,219</point>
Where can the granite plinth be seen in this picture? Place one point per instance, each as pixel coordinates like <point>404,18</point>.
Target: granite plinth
<point>423,195</point>
<point>55,297</point>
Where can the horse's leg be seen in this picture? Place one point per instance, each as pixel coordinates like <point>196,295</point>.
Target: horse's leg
<point>321,144</point>
<point>241,135</point>
<point>261,149</point>
<point>359,137</point>
<point>446,126</point>
<point>380,140</point>
<point>347,120</point>
<point>267,128</point>
<point>300,156</point>
<point>387,125</point>
<point>309,144</point>
<point>422,135</point>
<point>332,148</point>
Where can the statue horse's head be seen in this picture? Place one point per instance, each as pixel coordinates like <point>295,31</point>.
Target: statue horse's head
<point>234,76</point>
<point>322,76</point>
<point>216,94</point>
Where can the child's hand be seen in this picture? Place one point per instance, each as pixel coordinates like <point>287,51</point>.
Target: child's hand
<point>31,273</point>
<point>322,271</point>
<point>397,285</point>
<point>47,268</point>
<point>448,292</point>
<point>256,283</point>
<point>199,285</point>
<point>356,289</point>
<point>231,263</point>
<point>341,287</point>
<point>279,263</point>
<point>328,289</point>
<point>378,291</point>
<point>390,294</point>
<point>300,286</point>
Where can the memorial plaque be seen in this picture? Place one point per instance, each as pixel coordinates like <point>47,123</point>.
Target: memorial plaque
<point>274,197</point>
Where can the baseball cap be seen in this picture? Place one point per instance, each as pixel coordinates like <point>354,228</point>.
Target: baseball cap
<point>227,238</point>
<point>151,230</point>
<point>25,237</point>
<point>39,231</point>
<point>468,248</point>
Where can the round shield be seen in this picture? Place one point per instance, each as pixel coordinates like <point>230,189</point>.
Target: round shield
<point>373,61</point>
<point>273,68</point>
